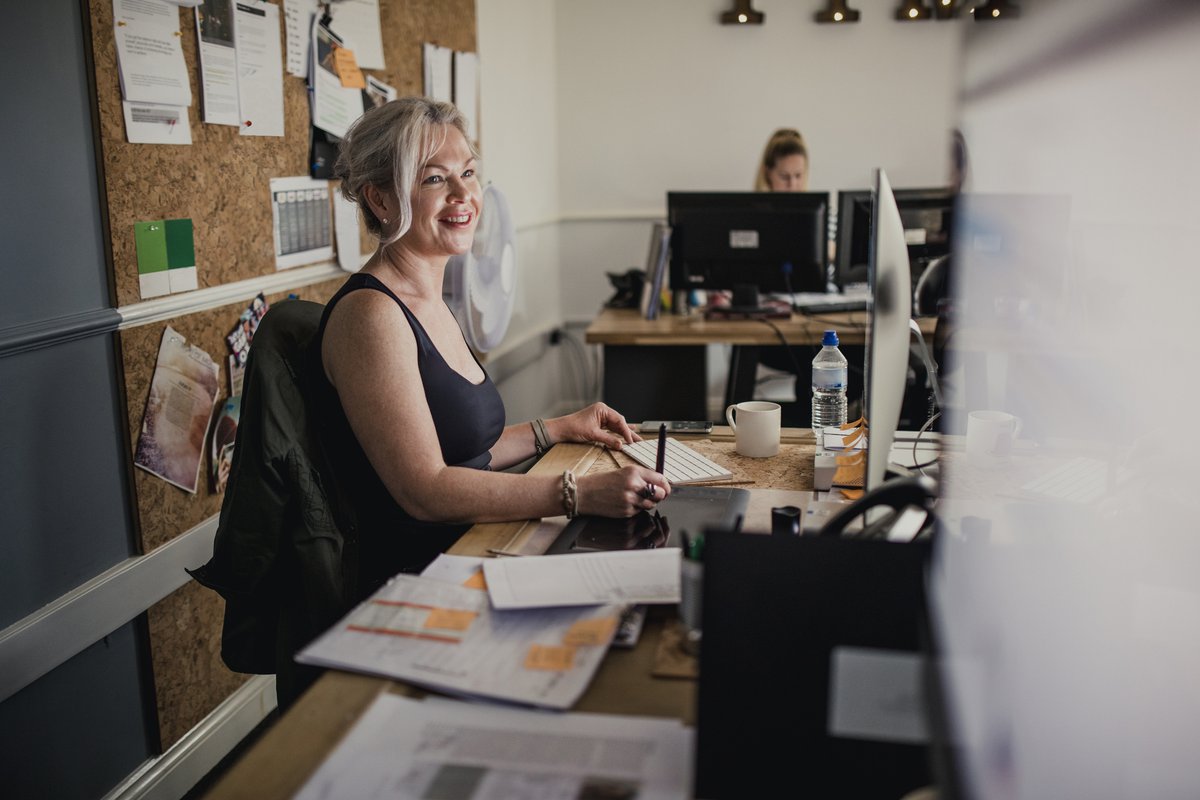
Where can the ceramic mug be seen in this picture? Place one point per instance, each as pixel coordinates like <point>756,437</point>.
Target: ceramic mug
<point>990,437</point>
<point>755,425</point>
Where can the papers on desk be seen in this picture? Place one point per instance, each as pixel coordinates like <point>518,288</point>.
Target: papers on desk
<point>619,576</point>
<point>446,637</point>
<point>405,748</point>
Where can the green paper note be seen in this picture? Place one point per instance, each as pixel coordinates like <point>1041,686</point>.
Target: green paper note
<point>151,239</point>
<point>180,247</point>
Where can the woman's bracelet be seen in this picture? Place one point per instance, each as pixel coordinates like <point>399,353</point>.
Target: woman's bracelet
<point>570,494</point>
<point>541,439</point>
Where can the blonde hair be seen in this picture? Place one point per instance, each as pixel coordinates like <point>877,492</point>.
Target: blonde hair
<point>387,147</point>
<point>783,143</point>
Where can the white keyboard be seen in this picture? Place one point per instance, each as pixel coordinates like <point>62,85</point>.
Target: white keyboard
<point>1080,480</point>
<point>683,464</point>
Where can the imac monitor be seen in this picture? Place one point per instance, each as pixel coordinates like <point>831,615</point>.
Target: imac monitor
<point>887,329</point>
<point>773,240</point>
<point>926,214</point>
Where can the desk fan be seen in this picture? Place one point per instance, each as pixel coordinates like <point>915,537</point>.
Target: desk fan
<point>480,284</point>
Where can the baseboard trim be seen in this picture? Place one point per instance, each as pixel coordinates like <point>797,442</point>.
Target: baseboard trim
<point>173,774</point>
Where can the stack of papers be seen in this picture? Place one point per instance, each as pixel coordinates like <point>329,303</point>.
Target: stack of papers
<point>448,638</point>
<point>418,749</point>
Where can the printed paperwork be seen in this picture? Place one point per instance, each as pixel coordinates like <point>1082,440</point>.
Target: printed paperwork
<point>405,748</point>
<point>619,576</point>
<point>446,637</point>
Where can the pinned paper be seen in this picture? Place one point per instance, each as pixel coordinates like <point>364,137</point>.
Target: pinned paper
<point>590,632</point>
<point>347,69</point>
<point>450,619</point>
<point>550,657</point>
<point>166,256</point>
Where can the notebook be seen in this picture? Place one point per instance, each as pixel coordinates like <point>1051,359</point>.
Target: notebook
<point>683,464</point>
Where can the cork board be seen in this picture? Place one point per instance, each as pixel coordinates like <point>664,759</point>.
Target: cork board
<point>221,181</point>
<point>164,511</point>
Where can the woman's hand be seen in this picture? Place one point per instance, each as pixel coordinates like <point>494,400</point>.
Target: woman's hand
<point>596,424</point>
<point>621,493</point>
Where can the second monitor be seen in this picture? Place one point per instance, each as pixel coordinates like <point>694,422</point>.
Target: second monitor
<point>773,240</point>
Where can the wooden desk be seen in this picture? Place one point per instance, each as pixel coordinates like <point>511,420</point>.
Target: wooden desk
<point>280,763</point>
<point>658,369</point>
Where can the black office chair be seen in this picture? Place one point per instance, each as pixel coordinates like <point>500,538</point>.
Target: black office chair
<point>285,551</point>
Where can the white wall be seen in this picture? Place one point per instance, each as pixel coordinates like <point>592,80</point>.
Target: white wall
<point>593,109</point>
<point>659,95</point>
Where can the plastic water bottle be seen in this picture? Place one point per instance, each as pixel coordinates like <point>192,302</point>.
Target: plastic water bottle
<point>828,385</point>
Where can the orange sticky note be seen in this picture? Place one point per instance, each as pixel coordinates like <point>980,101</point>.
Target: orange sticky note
<point>346,66</point>
<point>590,632</point>
<point>552,657</point>
<point>450,619</point>
<point>476,581</point>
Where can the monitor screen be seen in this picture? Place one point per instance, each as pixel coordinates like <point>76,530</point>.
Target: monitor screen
<point>926,214</point>
<point>887,330</point>
<point>773,240</point>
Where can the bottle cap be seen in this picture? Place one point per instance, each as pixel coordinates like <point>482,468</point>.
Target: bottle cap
<point>830,339</point>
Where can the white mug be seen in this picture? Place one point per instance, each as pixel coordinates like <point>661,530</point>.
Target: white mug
<point>990,437</point>
<point>756,428</point>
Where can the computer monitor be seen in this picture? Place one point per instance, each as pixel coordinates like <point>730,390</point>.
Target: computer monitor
<point>773,240</point>
<point>927,216</point>
<point>890,308</point>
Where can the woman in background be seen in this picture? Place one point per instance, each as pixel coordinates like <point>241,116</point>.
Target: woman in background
<point>784,163</point>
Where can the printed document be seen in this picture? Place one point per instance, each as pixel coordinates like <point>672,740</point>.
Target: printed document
<point>356,22</point>
<point>260,69</point>
<point>448,638</point>
<point>619,576</point>
<point>150,53</point>
<point>218,63</point>
<point>404,748</point>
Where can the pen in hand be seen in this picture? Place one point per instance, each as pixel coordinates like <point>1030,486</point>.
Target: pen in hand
<point>661,461</point>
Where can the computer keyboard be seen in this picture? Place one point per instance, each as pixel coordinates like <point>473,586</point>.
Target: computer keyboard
<point>683,464</point>
<point>1080,480</point>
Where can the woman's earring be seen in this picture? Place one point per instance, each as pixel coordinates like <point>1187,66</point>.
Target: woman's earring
<point>385,220</point>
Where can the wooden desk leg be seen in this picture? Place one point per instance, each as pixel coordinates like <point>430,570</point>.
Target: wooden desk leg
<point>651,382</point>
<point>743,371</point>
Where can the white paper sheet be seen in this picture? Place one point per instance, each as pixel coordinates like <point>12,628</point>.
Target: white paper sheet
<point>437,71</point>
<point>447,637</point>
<point>334,106</point>
<point>150,123</point>
<point>298,19</point>
<point>401,747</point>
<point>150,53</point>
<point>453,569</point>
<point>302,224</point>
<point>620,576</point>
<point>218,63</point>
<point>345,225</point>
<point>466,90</point>
<point>357,23</point>
<point>260,69</point>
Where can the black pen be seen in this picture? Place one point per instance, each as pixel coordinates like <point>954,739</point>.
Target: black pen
<point>661,462</point>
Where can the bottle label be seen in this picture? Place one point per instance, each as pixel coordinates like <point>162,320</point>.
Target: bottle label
<point>829,380</point>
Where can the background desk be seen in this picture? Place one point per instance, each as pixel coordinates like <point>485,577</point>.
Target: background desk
<point>658,369</point>
<point>279,764</point>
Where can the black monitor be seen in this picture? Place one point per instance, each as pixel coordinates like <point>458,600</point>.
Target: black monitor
<point>773,240</point>
<point>927,215</point>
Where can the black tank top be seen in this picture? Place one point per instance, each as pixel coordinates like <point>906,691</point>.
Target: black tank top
<point>469,419</point>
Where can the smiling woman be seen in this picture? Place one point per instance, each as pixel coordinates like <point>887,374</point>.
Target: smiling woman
<point>413,424</point>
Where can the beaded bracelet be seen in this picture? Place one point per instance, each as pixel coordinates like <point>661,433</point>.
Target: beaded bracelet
<point>570,494</point>
<point>541,439</point>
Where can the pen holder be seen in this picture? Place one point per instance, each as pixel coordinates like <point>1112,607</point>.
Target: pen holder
<point>691,582</point>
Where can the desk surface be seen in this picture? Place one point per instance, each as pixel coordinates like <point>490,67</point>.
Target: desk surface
<point>613,326</point>
<point>280,763</point>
